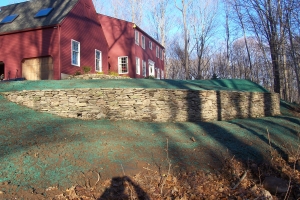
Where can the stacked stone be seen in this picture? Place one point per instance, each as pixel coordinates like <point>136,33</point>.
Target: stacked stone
<point>159,105</point>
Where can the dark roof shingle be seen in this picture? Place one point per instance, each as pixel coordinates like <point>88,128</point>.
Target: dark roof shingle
<point>27,10</point>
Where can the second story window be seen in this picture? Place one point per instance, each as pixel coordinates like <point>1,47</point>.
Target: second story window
<point>157,52</point>
<point>150,45</point>
<point>160,54</point>
<point>143,42</point>
<point>75,53</point>
<point>136,37</point>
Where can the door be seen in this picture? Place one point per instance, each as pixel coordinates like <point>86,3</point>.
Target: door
<point>38,68</point>
<point>2,68</point>
<point>151,68</point>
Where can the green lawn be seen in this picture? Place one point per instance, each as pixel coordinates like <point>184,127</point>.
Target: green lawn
<point>41,150</point>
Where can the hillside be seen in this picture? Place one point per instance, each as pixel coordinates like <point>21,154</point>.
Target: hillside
<point>40,151</point>
<point>219,84</point>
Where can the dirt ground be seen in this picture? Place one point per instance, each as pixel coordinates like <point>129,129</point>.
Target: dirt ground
<point>48,157</point>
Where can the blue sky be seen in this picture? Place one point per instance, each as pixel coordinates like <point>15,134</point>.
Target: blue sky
<point>6,2</point>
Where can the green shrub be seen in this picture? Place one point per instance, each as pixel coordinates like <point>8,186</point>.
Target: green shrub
<point>113,73</point>
<point>149,77</point>
<point>77,73</point>
<point>86,69</point>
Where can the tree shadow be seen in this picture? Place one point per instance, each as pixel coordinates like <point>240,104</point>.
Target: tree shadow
<point>118,187</point>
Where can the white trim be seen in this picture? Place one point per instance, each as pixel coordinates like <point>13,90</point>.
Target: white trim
<point>144,68</point>
<point>136,37</point>
<point>98,60</point>
<point>158,73</point>
<point>120,64</point>
<point>162,74</point>
<point>150,45</point>
<point>143,42</point>
<point>78,52</point>
<point>151,68</point>
<point>137,65</point>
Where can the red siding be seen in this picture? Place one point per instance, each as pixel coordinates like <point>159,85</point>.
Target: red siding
<point>82,25</point>
<point>30,44</point>
<point>120,37</point>
<point>148,54</point>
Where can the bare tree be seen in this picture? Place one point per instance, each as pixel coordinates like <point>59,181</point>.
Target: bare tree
<point>185,4</point>
<point>203,26</point>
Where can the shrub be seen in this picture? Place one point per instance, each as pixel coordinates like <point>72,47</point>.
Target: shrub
<point>149,77</point>
<point>86,69</point>
<point>77,73</point>
<point>113,73</point>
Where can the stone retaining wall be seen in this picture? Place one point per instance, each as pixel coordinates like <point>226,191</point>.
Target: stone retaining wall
<point>159,105</point>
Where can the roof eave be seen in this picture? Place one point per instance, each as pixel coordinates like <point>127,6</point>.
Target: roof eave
<point>29,29</point>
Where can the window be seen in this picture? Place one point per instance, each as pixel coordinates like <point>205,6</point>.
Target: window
<point>144,69</point>
<point>150,45</point>
<point>143,42</point>
<point>75,53</point>
<point>160,54</point>
<point>98,59</point>
<point>157,52</point>
<point>151,68</point>
<point>8,19</point>
<point>162,74</point>
<point>43,12</point>
<point>137,66</point>
<point>123,65</point>
<point>136,36</point>
<point>158,73</point>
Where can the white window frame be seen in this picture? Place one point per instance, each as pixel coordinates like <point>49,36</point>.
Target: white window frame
<point>150,45</point>
<point>158,73</point>
<point>136,37</point>
<point>98,61</point>
<point>162,74</point>
<point>143,42</point>
<point>144,68</point>
<point>137,65</point>
<point>157,52</point>
<point>160,53</point>
<point>120,65</point>
<point>151,64</point>
<point>78,53</point>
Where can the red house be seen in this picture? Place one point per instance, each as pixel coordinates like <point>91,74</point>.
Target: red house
<point>132,51</point>
<point>49,39</point>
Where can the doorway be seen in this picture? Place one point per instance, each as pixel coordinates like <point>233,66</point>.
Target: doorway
<point>151,68</point>
<point>2,68</point>
<point>38,68</point>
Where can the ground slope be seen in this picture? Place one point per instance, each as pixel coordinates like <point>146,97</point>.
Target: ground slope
<point>40,150</point>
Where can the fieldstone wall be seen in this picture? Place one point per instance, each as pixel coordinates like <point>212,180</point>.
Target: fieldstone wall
<point>160,105</point>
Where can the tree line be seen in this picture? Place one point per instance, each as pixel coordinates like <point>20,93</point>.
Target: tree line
<point>257,40</point>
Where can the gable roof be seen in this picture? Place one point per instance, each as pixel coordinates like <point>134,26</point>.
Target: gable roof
<point>27,10</point>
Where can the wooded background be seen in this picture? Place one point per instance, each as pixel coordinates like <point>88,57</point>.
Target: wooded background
<point>257,40</point>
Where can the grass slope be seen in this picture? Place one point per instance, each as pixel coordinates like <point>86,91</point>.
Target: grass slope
<point>219,84</point>
<point>39,150</point>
